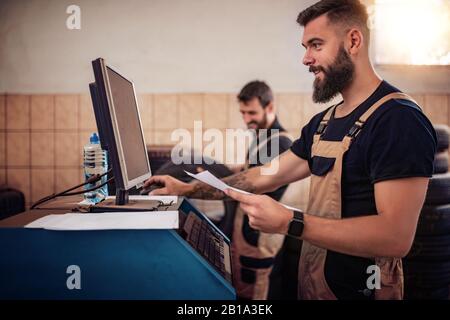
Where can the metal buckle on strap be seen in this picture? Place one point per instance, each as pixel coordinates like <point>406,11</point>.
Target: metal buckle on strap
<point>355,129</point>
<point>322,126</point>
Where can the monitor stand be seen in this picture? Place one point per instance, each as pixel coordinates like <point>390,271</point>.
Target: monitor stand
<point>121,197</point>
<point>123,203</point>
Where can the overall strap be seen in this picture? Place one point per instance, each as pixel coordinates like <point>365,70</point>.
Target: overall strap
<point>324,122</point>
<point>359,124</point>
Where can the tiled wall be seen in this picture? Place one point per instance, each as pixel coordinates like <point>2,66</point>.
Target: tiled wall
<point>41,136</point>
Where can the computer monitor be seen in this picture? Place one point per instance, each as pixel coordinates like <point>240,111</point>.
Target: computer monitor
<point>120,129</point>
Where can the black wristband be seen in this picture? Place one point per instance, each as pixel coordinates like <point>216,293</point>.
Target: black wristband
<point>296,225</point>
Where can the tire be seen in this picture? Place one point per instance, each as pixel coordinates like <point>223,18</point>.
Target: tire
<point>442,133</point>
<point>438,190</point>
<point>11,202</point>
<point>434,221</point>
<point>426,275</point>
<point>440,162</point>
<point>417,293</point>
<point>430,248</point>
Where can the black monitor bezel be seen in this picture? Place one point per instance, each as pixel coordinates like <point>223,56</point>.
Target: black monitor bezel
<point>105,118</point>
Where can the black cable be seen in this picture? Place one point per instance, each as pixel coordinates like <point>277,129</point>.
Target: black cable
<point>92,179</point>
<point>88,190</point>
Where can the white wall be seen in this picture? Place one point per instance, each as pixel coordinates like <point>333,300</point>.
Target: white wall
<point>166,46</point>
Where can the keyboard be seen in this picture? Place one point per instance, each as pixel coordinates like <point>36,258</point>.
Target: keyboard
<point>209,243</point>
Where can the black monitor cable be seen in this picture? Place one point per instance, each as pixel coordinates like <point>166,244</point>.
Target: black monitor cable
<point>92,179</point>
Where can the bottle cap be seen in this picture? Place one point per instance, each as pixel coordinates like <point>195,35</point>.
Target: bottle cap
<point>94,138</point>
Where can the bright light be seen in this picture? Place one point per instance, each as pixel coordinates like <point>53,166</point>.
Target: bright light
<point>413,32</point>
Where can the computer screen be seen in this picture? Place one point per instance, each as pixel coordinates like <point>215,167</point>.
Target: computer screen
<point>119,123</point>
<point>128,127</point>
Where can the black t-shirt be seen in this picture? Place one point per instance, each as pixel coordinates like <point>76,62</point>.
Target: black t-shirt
<point>284,143</point>
<point>397,141</point>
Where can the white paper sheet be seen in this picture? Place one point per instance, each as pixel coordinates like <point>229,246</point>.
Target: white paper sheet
<point>208,178</point>
<point>108,221</point>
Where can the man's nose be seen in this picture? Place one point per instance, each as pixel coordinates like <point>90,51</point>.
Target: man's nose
<point>308,59</point>
<point>247,118</point>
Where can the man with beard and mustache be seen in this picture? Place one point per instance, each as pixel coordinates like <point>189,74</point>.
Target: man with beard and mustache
<point>260,260</point>
<point>369,157</point>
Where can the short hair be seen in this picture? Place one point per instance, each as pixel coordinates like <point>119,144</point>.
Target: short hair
<point>256,89</point>
<point>346,12</point>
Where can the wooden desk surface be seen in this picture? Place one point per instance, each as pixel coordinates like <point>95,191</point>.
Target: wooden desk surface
<point>58,206</point>
<point>24,218</point>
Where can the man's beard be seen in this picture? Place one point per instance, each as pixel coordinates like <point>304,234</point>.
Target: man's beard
<point>335,78</point>
<point>259,125</point>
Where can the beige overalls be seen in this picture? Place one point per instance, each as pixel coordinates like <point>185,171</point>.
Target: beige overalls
<point>325,201</point>
<point>257,260</point>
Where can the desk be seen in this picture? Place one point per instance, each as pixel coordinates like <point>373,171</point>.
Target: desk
<point>114,264</point>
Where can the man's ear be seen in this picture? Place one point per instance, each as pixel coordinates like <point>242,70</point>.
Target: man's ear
<point>355,41</point>
<point>270,108</point>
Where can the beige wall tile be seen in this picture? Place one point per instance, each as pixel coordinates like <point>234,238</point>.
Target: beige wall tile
<point>310,109</point>
<point>289,110</point>
<point>166,111</point>
<point>87,117</point>
<point>149,137</point>
<point>67,151</point>
<point>419,98</point>
<point>18,148</point>
<point>2,149</point>
<point>163,137</point>
<point>295,133</point>
<point>42,112</point>
<point>215,111</point>
<point>234,116</point>
<point>66,112</point>
<point>146,110</point>
<point>2,112</point>
<point>66,178</point>
<point>20,179</point>
<point>436,108</point>
<point>81,177</point>
<point>190,109</point>
<point>17,112</point>
<point>42,183</point>
<point>42,149</point>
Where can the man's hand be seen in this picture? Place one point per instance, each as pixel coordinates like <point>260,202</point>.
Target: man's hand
<point>264,213</point>
<point>167,186</point>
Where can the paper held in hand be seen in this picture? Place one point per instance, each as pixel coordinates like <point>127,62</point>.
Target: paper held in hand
<point>208,178</point>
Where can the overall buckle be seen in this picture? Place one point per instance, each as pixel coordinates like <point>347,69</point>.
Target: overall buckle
<point>355,129</point>
<point>322,126</point>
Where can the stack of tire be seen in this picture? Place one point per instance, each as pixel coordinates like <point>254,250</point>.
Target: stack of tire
<point>427,266</point>
<point>11,202</point>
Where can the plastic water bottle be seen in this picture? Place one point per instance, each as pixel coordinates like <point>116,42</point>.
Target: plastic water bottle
<point>95,162</point>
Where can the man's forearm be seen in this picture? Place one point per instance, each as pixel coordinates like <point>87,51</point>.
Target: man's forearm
<point>389,233</point>
<point>241,180</point>
<point>366,236</point>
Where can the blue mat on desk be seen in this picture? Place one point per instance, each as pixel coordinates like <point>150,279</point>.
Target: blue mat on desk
<point>114,264</point>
